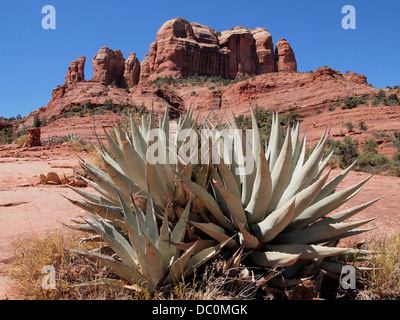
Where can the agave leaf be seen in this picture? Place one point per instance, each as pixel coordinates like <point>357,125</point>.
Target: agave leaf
<point>217,233</point>
<point>138,140</point>
<point>346,214</point>
<point>202,257</point>
<point>207,200</point>
<point>154,183</point>
<point>306,251</point>
<point>121,181</point>
<point>304,177</point>
<point>281,174</point>
<point>347,234</point>
<point>115,240</point>
<point>229,179</point>
<point>273,259</point>
<point>319,233</point>
<point>92,197</point>
<point>273,224</point>
<point>133,276</point>
<point>82,227</point>
<point>299,155</point>
<point>322,165</point>
<point>136,165</point>
<point>104,193</point>
<point>134,234</point>
<point>331,186</point>
<point>234,205</point>
<point>325,206</point>
<point>306,196</point>
<point>151,223</point>
<point>163,243</point>
<point>261,195</point>
<point>275,141</point>
<point>335,267</point>
<point>247,239</point>
<point>152,268</point>
<point>118,154</point>
<point>178,267</point>
<point>256,136</point>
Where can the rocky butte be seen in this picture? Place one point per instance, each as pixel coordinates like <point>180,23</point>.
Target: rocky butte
<point>254,71</point>
<point>186,49</point>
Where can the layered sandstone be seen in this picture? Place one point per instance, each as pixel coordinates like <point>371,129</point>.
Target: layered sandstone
<point>108,66</point>
<point>76,71</point>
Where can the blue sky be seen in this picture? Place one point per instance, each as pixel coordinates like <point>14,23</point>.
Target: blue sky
<point>33,61</point>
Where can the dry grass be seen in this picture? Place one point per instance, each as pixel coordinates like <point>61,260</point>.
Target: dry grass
<point>213,283</point>
<point>383,282</point>
<point>31,256</point>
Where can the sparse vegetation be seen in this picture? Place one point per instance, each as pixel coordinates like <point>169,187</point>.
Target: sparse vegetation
<point>214,81</point>
<point>351,103</point>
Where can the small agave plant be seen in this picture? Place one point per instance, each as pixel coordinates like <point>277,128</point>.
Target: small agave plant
<point>164,220</point>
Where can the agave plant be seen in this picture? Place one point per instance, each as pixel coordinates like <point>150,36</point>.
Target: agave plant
<point>282,210</point>
<point>164,219</point>
<point>132,213</point>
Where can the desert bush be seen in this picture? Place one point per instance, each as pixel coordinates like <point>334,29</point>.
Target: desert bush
<point>349,126</point>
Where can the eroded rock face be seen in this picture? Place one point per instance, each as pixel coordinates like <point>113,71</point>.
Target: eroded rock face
<point>264,50</point>
<point>239,50</point>
<point>109,66</point>
<point>184,49</point>
<point>284,57</point>
<point>132,70</point>
<point>76,71</point>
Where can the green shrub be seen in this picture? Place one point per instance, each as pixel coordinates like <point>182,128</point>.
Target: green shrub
<point>349,126</point>
<point>37,123</point>
<point>76,109</point>
<point>345,153</point>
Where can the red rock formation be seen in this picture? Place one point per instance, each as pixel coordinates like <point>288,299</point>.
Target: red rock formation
<point>264,50</point>
<point>325,74</point>
<point>108,66</point>
<point>185,49</point>
<point>284,57</point>
<point>132,70</point>
<point>182,49</point>
<point>33,139</point>
<point>239,47</point>
<point>76,71</point>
